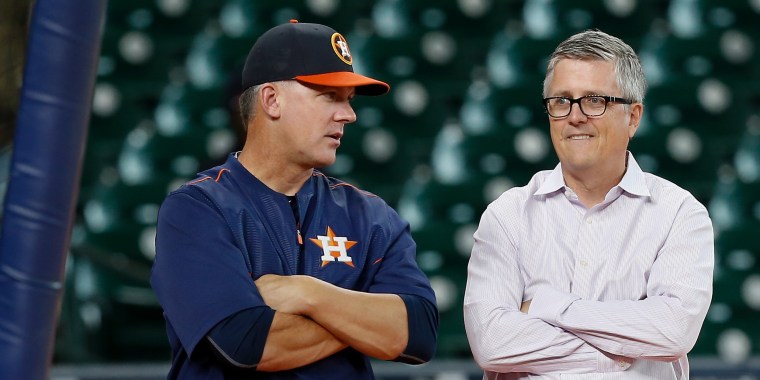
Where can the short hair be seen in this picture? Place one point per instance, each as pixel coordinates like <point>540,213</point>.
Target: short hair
<point>247,104</point>
<point>248,98</point>
<point>597,45</point>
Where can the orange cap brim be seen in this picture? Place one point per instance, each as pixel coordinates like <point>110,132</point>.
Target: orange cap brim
<point>364,85</point>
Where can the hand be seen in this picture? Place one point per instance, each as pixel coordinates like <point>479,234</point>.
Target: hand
<point>288,294</point>
<point>525,306</point>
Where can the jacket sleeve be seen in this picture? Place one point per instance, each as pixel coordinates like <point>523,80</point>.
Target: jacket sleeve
<point>199,275</point>
<point>399,274</point>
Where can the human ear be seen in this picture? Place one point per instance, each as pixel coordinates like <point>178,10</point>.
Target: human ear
<point>634,118</point>
<point>269,100</point>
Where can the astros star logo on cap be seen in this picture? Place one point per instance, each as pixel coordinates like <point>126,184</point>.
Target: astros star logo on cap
<point>340,46</point>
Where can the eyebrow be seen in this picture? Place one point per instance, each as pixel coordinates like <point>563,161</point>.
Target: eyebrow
<point>567,94</point>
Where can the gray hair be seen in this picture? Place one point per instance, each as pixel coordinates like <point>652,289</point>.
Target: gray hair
<point>248,98</point>
<point>597,45</point>
<point>247,104</point>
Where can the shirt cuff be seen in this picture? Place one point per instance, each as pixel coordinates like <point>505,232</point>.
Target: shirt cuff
<point>422,316</point>
<point>613,363</point>
<point>548,304</point>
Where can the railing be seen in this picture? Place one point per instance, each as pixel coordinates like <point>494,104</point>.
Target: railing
<point>702,368</point>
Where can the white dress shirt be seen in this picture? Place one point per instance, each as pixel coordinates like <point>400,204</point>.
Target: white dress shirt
<point>619,290</point>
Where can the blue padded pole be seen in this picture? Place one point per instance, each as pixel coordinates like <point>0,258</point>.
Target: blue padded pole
<point>62,54</point>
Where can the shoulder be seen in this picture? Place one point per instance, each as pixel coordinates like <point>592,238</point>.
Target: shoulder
<point>519,196</point>
<point>356,201</point>
<point>667,194</point>
<point>211,186</point>
<point>339,188</point>
<point>212,180</point>
<point>516,204</point>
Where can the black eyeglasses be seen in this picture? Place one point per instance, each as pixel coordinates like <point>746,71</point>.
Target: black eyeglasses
<point>590,105</point>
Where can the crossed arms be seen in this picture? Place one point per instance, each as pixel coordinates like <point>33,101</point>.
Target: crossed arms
<point>315,319</point>
<point>281,322</point>
<point>305,319</point>
<point>556,331</point>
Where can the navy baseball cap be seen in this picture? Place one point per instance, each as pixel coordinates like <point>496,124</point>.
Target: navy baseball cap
<point>308,53</point>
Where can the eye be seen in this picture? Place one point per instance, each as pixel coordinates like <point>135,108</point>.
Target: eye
<point>561,101</point>
<point>338,95</point>
<point>595,100</point>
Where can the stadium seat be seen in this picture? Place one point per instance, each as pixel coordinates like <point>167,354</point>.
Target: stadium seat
<point>109,312</point>
<point>560,19</point>
<point>525,58</point>
<point>724,15</point>
<point>447,241</point>
<point>678,154</point>
<point>730,333</point>
<point>735,203</point>
<point>726,54</point>
<point>708,106</point>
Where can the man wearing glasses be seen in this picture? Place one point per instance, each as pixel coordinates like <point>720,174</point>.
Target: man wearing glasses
<point>593,270</point>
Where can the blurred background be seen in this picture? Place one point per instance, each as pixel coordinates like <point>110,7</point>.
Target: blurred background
<point>463,122</point>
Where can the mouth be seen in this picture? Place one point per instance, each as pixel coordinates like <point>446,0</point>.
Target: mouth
<point>335,136</point>
<point>579,137</point>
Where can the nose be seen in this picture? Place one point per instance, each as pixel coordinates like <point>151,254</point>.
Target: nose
<point>576,116</point>
<point>345,113</point>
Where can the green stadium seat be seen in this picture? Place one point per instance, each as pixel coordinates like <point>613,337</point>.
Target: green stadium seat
<point>678,154</point>
<point>118,218</point>
<point>452,203</point>
<point>449,287</point>
<point>706,105</point>
<point>729,332</point>
<point>747,157</point>
<point>734,203</point>
<point>374,159</point>
<point>626,20</point>
<point>109,314</point>
<point>722,54</point>
<point>526,57</point>
<point>725,15</point>
<point>141,54</point>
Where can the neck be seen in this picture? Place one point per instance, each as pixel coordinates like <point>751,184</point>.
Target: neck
<point>592,185</point>
<point>271,170</point>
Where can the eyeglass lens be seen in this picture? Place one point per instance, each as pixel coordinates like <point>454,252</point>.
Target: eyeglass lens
<point>590,106</point>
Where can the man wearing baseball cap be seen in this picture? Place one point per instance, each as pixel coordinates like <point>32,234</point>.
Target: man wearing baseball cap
<point>268,269</point>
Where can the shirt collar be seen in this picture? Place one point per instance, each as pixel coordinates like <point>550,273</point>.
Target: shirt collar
<point>253,185</point>
<point>553,182</point>
<point>633,180</point>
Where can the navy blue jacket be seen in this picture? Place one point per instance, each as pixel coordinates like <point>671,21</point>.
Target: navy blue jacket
<point>219,233</point>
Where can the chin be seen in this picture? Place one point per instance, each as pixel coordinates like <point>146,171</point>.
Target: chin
<point>579,164</point>
<point>324,163</point>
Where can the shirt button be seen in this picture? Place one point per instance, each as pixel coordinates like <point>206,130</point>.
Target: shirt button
<point>584,263</point>
<point>588,221</point>
<point>621,364</point>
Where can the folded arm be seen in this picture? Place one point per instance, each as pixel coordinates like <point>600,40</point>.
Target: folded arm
<point>665,325</point>
<point>295,341</point>
<point>504,339</point>
<point>395,318</point>
<point>260,338</point>
<point>373,324</point>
